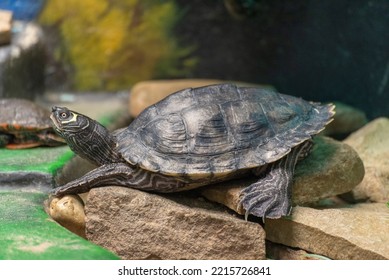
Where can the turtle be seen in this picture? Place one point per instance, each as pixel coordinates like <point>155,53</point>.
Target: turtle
<point>24,124</point>
<point>199,136</point>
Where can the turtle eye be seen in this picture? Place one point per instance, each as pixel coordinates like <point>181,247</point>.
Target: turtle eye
<point>64,115</point>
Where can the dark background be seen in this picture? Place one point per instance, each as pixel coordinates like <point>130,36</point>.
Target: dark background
<point>319,50</point>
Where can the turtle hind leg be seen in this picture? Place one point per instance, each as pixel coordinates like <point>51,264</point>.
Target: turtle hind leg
<point>270,196</point>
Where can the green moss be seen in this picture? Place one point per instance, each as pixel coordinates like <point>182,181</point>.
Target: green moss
<point>42,159</point>
<point>27,232</point>
<point>113,44</point>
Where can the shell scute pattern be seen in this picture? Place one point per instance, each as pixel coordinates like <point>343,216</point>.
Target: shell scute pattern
<point>176,103</point>
<point>216,130</point>
<point>19,114</point>
<point>169,133</point>
<point>209,134</point>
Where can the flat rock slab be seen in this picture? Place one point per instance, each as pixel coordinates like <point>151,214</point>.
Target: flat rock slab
<point>372,144</point>
<point>139,225</point>
<point>331,168</point>
<point>27,232</point>
<point>359,232</point>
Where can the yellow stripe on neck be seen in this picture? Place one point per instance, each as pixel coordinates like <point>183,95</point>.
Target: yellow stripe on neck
<point>73,119</point>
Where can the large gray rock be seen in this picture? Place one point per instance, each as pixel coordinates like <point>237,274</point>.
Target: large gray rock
<point>331,168</point>
<point>139,225</point>
<point>372,144</point>
<point>358,232</point>
<point>22,63</point>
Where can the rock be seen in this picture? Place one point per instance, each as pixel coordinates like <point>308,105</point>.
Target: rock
<point>5,27</point>
<point>331,168</point>
<point>346,120</point>
<point>281,252</point>
<point>146,93</point>
<point>140,225</point>
<point>227,193</point>
<point>358,232</point>
<point>374,188</point>
<point>372,144</point>
<point>69,212</point>
<point>22,63</point>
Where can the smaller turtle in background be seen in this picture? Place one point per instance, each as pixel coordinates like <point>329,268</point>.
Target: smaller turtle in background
<point>24,124</point>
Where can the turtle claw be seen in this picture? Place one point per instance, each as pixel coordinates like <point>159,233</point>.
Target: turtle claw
<point>54,191</point>
<point>266,206</point>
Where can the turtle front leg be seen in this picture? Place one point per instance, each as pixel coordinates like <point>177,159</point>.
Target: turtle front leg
<point>270,196</point>
<point>120,174</point>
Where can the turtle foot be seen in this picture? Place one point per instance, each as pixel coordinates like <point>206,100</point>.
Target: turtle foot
<point>265,204</point>
<point>270,196</point>
<point>64,190</point>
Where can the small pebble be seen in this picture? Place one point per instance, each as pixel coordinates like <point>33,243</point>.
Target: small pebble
<point>69,212</point>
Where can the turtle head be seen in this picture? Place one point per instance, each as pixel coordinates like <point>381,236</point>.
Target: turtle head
<point>85,136</point>
<point>65,121</point>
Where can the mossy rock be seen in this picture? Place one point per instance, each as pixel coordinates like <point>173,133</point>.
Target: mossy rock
<point>36,167</point>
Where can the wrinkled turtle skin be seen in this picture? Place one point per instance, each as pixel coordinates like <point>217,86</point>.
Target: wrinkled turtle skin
<point>24,124</point>
<point>200,136</point>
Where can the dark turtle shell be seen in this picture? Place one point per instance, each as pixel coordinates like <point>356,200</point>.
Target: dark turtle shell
<point>217,130</point>
<point>26,124</point>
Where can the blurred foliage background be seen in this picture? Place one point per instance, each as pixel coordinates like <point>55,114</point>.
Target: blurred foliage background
<point>110,45</point>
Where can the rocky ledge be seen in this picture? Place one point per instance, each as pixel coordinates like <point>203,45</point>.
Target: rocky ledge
<point>139,225</point>
<point>358,232</point>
